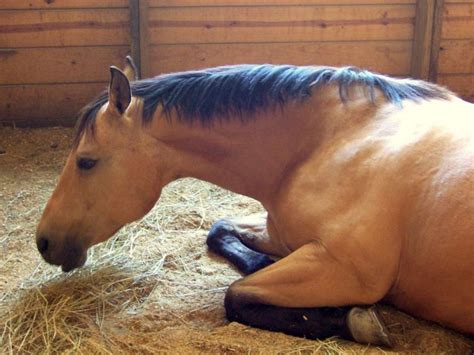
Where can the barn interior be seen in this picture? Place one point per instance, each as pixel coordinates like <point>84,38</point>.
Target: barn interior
<point>154,287</point>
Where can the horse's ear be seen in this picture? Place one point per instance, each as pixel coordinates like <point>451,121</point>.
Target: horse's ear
<point>130,69</point>
<point>120,94</point>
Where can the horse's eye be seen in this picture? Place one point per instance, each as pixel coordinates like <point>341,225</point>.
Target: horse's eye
<point>85,163</point>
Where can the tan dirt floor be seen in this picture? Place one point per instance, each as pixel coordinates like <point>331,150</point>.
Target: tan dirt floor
<point>153,288</point>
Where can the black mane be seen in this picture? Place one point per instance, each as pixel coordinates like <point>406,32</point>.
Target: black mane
<point>244,89</point>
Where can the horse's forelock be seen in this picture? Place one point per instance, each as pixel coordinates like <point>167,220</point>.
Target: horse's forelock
<point>87,117</point>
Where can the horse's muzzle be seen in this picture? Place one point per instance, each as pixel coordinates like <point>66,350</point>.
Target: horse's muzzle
<point>67,254</point>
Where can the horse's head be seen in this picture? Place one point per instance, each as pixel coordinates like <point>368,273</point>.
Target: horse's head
<point>112,176</point>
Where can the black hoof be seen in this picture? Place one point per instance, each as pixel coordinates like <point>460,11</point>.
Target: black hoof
<point>224,240</point>
<point>218,230</point>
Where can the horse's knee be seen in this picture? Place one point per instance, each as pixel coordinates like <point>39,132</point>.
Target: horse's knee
<point>240,305</point>
<point>231,305</point>
<point>248,308</point>
<point>235,302</point>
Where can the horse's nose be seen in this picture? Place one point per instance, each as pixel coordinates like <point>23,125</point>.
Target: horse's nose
<point>43,244</point>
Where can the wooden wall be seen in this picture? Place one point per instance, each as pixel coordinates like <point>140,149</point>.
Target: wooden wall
<point>55,54</point>
<point>456,57</point>
<point>201,33</point>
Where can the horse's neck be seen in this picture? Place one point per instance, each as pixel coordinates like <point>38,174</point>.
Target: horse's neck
<point>252,158</point>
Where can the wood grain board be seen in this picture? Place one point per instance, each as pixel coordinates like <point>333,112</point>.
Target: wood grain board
<point>59,28</point>
<point>391,57</point>
<point>61,4</point>
<point>56,65</point>
<point>462,84</point>
<point>202,3</point>
<point>280,24</point>
<point>456,57</point>
<point>458,21</point>
<point>45,103</point>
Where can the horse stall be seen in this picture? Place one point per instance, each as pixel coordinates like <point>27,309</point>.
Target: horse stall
<point>154,287</point>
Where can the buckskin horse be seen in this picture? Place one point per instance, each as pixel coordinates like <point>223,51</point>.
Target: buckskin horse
<point>367,182</point>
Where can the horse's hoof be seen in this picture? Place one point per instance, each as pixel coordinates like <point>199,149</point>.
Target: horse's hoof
<point>218,230</point>
<point>366,327</point>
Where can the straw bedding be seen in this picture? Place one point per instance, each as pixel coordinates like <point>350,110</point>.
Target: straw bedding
<point>153,288</point>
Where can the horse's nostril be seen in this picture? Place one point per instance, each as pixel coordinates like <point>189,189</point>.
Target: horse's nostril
<point>42,244</point>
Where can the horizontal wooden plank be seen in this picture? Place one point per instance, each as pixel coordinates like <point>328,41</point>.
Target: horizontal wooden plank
<point>185,3</point>
<point>463,85</point>
<point>280,24</point>
<point>61,4</point>
<point>458,21</point>
<point>60,28</point>
<point>56,65</point>
<point>39,122</point>
<point>27,103</point>
<point>459,1</point>
<point>456,57</point>
<point>386,57</point>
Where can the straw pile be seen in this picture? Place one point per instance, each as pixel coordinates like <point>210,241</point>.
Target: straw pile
<point>153,288</point>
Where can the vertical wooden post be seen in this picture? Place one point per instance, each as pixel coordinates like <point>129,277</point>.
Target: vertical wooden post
<point>421,51</point>
<point>436,40</point>
<point>144,42</point>
<point>134,6</point>
<point>139,35</point>
<point>426,38</point>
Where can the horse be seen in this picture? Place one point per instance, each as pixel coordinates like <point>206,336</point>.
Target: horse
<point>367,183</point>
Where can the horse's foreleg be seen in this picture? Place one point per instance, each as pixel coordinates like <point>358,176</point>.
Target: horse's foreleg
<point>253,231</point>
<point>227,240</point>
<point>290,296</point>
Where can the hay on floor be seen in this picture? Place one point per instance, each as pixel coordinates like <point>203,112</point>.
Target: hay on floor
<point>153,288</point>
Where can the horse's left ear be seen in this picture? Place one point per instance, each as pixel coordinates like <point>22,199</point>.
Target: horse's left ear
<point>120,94</point>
